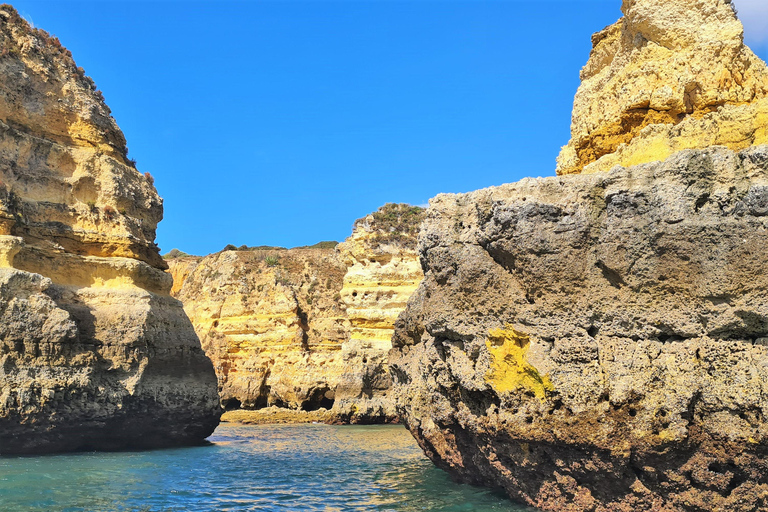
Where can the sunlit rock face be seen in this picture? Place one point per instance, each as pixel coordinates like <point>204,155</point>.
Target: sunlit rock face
<point>668,76</point>
<point>383,271</point>
<point>271,321</point>
<point>597,341</point>
<point>306,328</point>
<point>95,353</point>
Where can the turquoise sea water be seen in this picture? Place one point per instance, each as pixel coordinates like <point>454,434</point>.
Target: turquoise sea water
<point>246,468</point>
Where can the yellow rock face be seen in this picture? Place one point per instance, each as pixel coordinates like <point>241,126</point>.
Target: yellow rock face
<point>306,328</point>
<point>270,321</point>
<point>668,76</point>
<point>95,352</point>
<point>509,366</point>
<point>379,280</point>
<point>383,271</point>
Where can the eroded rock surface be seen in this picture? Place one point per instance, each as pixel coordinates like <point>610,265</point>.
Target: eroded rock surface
<point>272,323</point>
<point>307,328</point>
<point>668,76</point>
<point>94,353</point>
<point>598,342</point>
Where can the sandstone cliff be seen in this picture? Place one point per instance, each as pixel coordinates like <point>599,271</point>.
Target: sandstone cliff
<point>306,328</point>
<point>271,322</point>
<point>94,353</point>
<point>599,341</point>
<point>382,272</point>
<point>668,76</point>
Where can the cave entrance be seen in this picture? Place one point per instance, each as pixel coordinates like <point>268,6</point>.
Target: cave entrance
<point>231,404</point>
<point>321,398</point>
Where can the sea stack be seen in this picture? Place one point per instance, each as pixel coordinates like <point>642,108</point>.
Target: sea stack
<point>598,341</point>
<point>94,352</point>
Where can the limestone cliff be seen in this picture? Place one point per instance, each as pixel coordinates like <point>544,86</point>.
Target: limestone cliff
<point>383,271</point>
<point>272,323</point>
<point>668,76</point>
<point>94,353</point>
<point>598,342</point>
<point>306,328</point>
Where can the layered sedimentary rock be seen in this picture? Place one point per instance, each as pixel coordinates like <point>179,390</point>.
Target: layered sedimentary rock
<point>598,342</point>
<point>306,328</point>
<point>94,353</point>
<point>383,271</point>
<point>272,323</point>
<point>668,76</point>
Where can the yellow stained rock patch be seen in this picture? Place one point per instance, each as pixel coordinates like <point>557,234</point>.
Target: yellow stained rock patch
<point>510,369</point>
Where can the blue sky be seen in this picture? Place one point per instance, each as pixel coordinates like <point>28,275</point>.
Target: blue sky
<point>281,122</point>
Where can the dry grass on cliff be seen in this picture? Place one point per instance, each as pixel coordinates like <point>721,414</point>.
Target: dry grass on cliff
<point>394,223</point>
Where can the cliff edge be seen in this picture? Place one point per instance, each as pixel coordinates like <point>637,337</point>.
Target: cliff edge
<point>306,329</point>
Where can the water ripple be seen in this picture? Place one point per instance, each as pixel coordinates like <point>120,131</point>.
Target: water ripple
<point>288,468</point>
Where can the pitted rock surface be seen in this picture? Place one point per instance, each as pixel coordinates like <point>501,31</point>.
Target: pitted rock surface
<point>598,342</point>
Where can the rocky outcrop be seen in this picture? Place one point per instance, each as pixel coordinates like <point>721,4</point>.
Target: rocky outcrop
<point>598,342</point>
<point>668,76</point>
<point>94,353</point>
<point>382,272</point>
<point>272,323</point>
<point>306,328</point>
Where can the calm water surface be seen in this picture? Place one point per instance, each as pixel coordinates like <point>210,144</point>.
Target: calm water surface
<point>276,467</point>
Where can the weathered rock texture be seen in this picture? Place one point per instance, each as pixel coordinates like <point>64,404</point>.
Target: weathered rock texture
<point>668,76</point>
<point>272,323</point>
<point>382,272</point>
<point>306,328</point>
<point>598,342</point>
<point>94,353</point>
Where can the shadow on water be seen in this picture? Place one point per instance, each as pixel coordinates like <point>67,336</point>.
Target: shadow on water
<point>249,468</point>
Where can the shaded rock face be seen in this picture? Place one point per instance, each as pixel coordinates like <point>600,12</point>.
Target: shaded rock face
<point>598,342</point>
<point>94,353</point>
<point>306,328</point>
<point>668,76</point>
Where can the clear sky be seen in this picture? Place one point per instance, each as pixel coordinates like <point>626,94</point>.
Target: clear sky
<point>281,122</point>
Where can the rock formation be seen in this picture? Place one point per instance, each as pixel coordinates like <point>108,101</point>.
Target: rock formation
<point>306,328</point>
<point>667,76</point>
<point>599,341</point>
<point>382,272</point>
<point>94,353</point>
<point>271,322</point>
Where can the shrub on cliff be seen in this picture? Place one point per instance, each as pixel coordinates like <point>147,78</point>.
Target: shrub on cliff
<point>320,245</point>
<point>174,253</point>
<point>394,223</point>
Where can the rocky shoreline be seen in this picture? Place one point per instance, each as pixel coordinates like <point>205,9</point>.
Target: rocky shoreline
<point>281,415</point>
